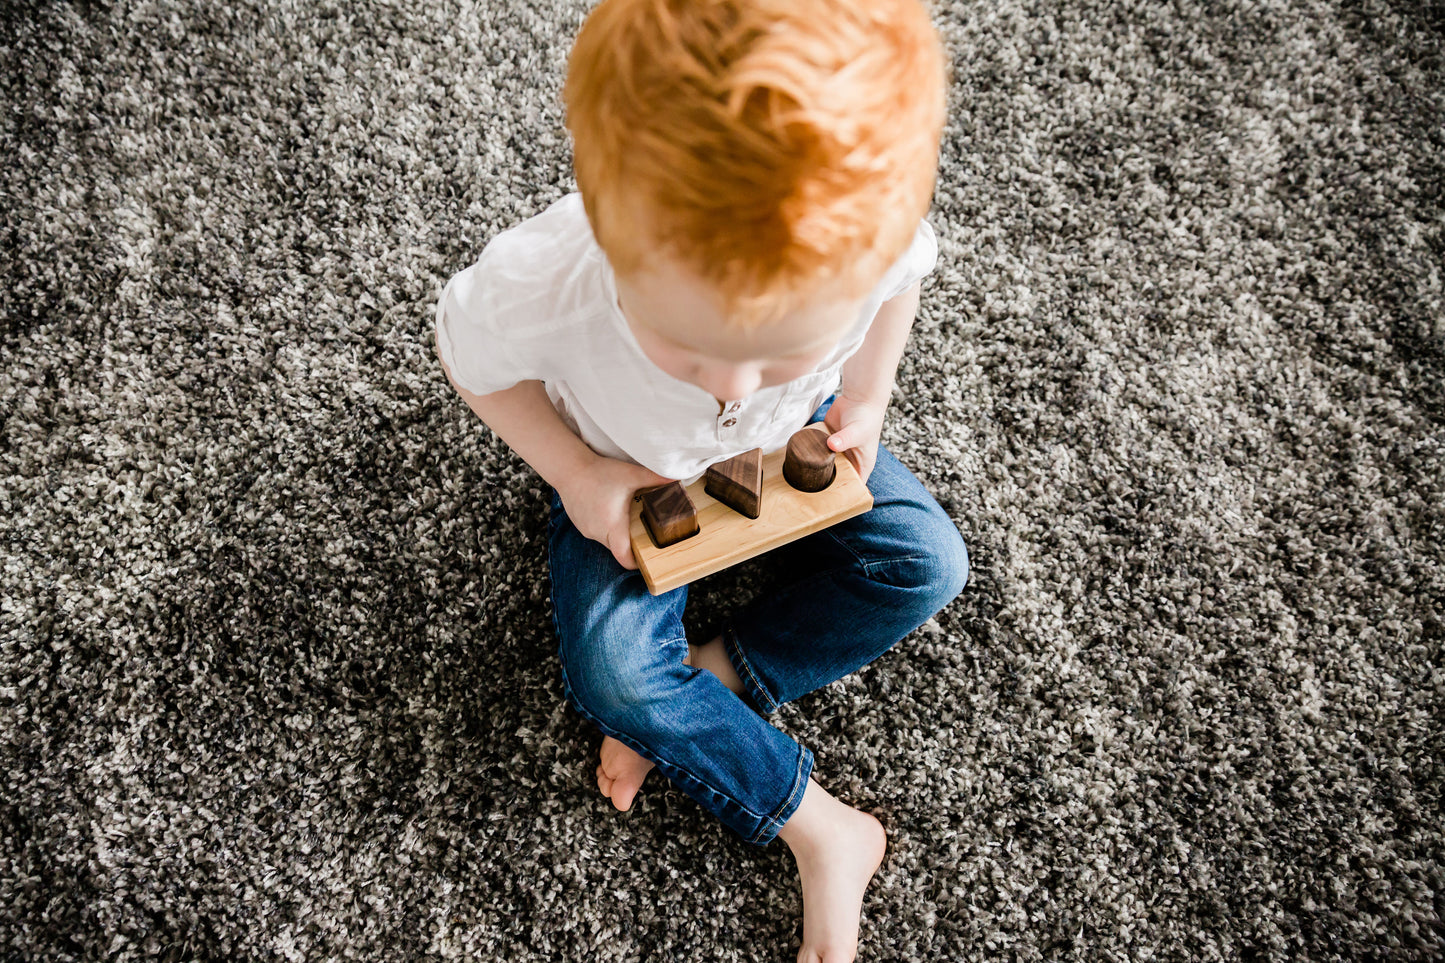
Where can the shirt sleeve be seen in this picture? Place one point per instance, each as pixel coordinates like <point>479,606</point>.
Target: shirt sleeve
<point>471,338</point>
<point>916,263</point>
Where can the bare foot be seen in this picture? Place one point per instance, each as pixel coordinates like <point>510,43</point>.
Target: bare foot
<point>620,770</point>
<point>837,849</point>
<point>620,773</point>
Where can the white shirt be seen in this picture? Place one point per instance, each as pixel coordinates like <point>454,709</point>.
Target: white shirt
<point>541,304</point>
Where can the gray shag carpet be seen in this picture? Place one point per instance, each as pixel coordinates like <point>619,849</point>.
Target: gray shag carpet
<point>277,674</point>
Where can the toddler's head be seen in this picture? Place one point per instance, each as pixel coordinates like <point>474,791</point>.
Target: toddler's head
<point>771,149</point>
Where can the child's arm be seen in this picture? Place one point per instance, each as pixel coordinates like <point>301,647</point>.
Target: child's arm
<point>856,418</point>
<point>596,491</point>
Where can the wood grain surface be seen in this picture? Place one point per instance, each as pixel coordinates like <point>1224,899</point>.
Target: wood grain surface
<point>738,482</point>
<point>668,514</point>
<point>727,538</point>
<point>808,465</point>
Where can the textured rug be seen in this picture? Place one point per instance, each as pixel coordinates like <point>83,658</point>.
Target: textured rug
<point>277,675</point>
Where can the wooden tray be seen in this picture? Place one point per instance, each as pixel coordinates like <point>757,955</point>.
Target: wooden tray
<point>727,537</point>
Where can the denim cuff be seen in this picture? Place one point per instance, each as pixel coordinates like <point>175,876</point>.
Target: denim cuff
<point>753,689</point>
<point>769,827</point>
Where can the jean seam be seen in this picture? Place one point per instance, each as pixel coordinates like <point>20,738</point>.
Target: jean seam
<point>870,569</point>
<point>862,562</point>
<point>774,823</point>
<point>642,750</point>
<point>730,636</point>
<point>755,687</point>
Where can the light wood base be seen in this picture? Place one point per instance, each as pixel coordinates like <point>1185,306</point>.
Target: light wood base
<point>728,538</point>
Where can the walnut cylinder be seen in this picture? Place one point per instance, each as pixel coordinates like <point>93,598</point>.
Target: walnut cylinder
<point>809,464</point>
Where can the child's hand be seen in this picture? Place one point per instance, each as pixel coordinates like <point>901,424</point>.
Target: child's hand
<point>856,427</point>
<point>599,503</point>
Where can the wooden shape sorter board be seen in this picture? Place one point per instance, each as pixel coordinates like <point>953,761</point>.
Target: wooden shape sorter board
<point>727,537</point>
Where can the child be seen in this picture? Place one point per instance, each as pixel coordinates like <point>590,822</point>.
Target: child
<point>748,237</point>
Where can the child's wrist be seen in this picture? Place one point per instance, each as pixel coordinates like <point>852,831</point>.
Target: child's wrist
<point>579,465</point>
<point>878,399</point>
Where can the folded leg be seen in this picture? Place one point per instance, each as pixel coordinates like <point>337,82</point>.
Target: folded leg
<point>856,589</point>
<point>622,653</point>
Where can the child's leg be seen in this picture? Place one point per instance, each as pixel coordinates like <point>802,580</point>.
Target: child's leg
<point>623,652</point>
<point>861,586</point>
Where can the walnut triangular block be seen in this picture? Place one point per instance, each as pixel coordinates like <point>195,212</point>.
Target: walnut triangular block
<point>669,514</point>
<point>738,483</point>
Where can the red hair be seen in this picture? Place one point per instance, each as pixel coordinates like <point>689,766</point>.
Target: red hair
<point>768,145</point>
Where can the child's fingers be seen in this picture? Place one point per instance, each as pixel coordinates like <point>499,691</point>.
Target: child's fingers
<point>621,542</point>
<point>622,551</point>
<point>864,461</point>
<point>851,442</point>
<point>843,439</point>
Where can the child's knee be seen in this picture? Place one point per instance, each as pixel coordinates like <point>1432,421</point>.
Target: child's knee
<point>951,568</point>
<point>615,688</point>
<point>935,570</point>
<point>946,573</point>
<point>598,690</point>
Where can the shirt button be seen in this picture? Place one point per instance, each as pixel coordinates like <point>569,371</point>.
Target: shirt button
<point>730,422</point>
<point>735,406</point>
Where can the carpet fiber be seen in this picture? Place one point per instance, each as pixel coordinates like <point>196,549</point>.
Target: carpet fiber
<point>277,672</point>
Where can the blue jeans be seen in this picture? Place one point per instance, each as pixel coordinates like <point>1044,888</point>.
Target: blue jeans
<point>852,592</point>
